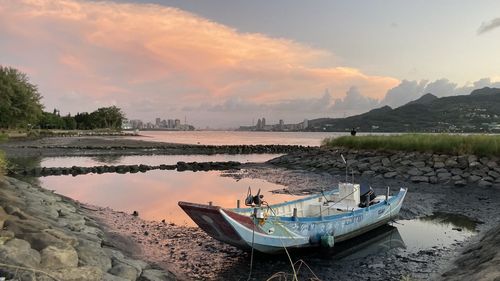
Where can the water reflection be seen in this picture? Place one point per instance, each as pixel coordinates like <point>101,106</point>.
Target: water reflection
<point>155,194</point>
<point>107,159</point>
<point>149,159</point>
<point>453,220</point>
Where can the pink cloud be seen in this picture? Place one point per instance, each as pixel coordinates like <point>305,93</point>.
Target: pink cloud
<point>135,54</point>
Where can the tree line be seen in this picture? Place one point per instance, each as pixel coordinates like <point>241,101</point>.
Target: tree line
<point>21,107</point>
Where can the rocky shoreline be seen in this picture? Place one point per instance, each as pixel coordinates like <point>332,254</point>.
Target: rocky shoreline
<point>416,167</point>
<point>45,236</point>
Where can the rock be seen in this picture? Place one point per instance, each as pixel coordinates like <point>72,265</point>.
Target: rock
<point>6,235</point>
<point>19,252</point>
<point>87,273</point>
<point>483,183</point>
<point>111,277</point>
<point>419,164</point>
<point>363,166</point>
<point>456,178</point>
<point>124,271</point>
<point>433,179</point>
<point>389,175</point>
<point>472,158</point>
<point>59,258</point>
<point>415,172</point>
<point>368,173</point>
<point>494,174</point>
<point>438,165</point>
<point>460,183</point>
<point>156,275</point>
<point>442,170</point>
<point>91,254</point>
<point>426,169</point>
<point>457,171</point>
<point>491,164</point>
<point>41,240</point>
<point>419,179</point>
<point>443,176</point>
<point>3,217</point>
<point>405,162</point>
<point>474,164</point>
<point>20,227</point>
<point>474,178</point>
<point>386,162</point>
<point>451,163</point>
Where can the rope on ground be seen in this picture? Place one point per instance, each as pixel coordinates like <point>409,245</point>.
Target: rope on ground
<point>251,255</point>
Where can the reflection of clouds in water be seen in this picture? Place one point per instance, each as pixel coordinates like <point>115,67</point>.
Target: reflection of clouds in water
<point>155,194</point>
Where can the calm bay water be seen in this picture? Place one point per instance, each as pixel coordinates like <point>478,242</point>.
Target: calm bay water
<point>237,137</point>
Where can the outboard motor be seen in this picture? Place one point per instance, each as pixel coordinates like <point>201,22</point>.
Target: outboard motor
<point>253,200</point>
<point>367,195</point>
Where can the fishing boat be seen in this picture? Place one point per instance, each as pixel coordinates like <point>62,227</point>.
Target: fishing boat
<point>318,220</point>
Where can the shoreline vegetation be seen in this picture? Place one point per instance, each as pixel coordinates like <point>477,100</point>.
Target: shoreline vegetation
<point>479,145</point>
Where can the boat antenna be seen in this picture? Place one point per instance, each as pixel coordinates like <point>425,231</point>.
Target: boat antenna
<point>346,166</point>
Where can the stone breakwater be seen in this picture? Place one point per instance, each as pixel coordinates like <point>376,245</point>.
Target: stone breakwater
<point>45,236</point>
<point>123,169</point>
<point>412,166</point>
<point>127,147</point>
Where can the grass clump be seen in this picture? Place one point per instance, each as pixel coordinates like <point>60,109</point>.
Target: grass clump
<point>3,164</point>
<point>481,145</point>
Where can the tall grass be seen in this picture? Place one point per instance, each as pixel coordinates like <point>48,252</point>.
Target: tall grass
<point>481,145</point>
<point>3,164</point>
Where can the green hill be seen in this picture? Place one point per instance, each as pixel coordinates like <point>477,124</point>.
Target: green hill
<point>477,112</point>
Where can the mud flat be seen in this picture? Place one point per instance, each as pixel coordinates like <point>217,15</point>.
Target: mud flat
<point>45,236</point>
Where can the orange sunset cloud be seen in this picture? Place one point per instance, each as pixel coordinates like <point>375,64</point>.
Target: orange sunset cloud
<point>149,59</point>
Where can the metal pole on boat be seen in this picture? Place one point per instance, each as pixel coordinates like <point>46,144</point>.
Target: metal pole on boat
<point>209,203</point>
<point>387,194</point>
<point>346,166</point>
<point>294,213</point>
<point>238,203</point>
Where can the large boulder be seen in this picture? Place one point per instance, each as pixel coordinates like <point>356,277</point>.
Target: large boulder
<point>91,253</point>
<point>18,252</point>
<point>59,258</point>
<point>415,172</point>
<point>124,270</point>
<point>87,273</point>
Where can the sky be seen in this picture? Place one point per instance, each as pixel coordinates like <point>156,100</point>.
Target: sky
<point>222,64</point>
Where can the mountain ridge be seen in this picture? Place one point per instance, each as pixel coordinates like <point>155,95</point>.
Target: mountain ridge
<point>477,112</point>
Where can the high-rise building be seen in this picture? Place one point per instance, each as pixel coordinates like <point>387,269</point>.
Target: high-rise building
<point>263,122</point>
<point>158,122</point>
<point>177,123</point>
<point>259,124</point>
<point>171,124</point>
<point>305,124</point>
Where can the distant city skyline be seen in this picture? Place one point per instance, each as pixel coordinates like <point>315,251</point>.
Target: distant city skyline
<point>224,63</point>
